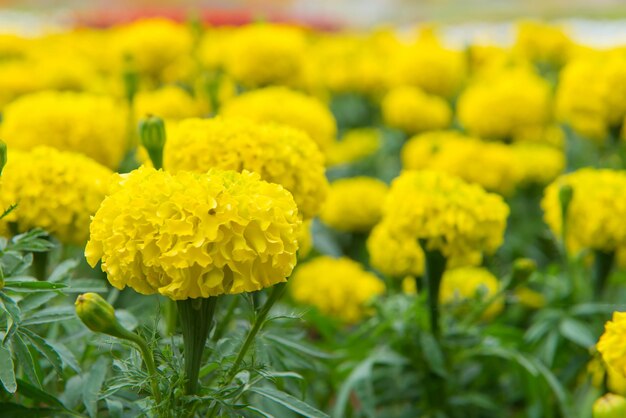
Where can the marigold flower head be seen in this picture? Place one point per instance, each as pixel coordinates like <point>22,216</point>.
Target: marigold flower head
<point>596,211</point>
<point>279,154</point>
<point>393,254</point>
<point>355,145</point>
<point>191,235</point>
<point>80,122</point>
<point>412,111</point>
<point>538,163</point>
<point>168,102</point>
<point>288,107</point>
<point>543,43</point>
<point>612,343</point>
<point>262,54</point>
<point>450,215</point>
<point>464,283</point>
<point>338,287</point>
<point>354,204</point>
<point>54,190</point>
<point>497,107</point>
<point>492,165</point>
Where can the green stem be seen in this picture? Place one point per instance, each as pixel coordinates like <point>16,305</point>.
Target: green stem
<point>602,266</point>
<point>171,317</point>
<point>196,317</point>
<point>435,266</point>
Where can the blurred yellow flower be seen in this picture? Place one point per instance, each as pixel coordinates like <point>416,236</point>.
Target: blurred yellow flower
<point>538,163</point>
<point>354,204</point>
<point>460,284</point>
<point>191,235</point>
<point>394,255</point>
<point>543,43</point>
<point>340,287</point>
<point>612,344</point>
<point>169,102</point>
<point>54,190</point>
<point>354,145</point>
<point>413,111</point>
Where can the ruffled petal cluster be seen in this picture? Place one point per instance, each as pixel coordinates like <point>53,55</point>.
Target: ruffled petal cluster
<point>354,204</point>
<point>337,287</point>
<point>287,107</point>
<point>54,190</point>
<point>279,154</point>
<point>461,284</point>
<point>596,213</point>
<point>191,235</point>
<point>80,122</point>
<point>612,344</point>
<point>411,110</point>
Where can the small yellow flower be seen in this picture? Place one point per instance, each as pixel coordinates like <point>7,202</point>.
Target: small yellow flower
<point>169,102</point>
<point>543,43</point>
<point>612,344</point>
<point>413,111</point>
<point>477,283</point>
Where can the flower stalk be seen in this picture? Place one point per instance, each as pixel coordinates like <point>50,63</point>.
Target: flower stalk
<point>435,266</point>
<point>602,266</point>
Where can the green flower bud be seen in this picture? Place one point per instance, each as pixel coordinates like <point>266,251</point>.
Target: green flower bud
<point>566,194</point>
<point>610,406</point>
<point>523,268</point>
<point>3,155</point>
<point>152,133</point>
<point>98,315</point>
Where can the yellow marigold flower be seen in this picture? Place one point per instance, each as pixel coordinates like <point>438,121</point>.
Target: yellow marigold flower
<point>168,102</point>
<point>411,110</point>
<point>464,283</point>
<point>552,135</point>
<point>543,43</point>
<point>492,165</point>
<point>279,154</point>
<point>354,204</point>
<point>340,287</point>
<point>355,145</point>
<point>191,235</point>
<point>54,190</point>
<point>452,216</point>
<point>538,163</point>
<point>394,254</point>
<point>155,45</point>
<point>612,344</point>
<point>81,122</point>
<point>591,95</point>
<point>596,212</point>
<point>262,54</point>
<point>497,107</point>
<point>288,107</point>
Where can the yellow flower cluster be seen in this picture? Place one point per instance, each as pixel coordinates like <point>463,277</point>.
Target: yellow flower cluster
<point>354,204</point>
<point>538,163</point>
<point>393,254</point>
<point>460,284</point>
<point>612,343</point>
<point>168,102</point>
<point>499,106</point>
<point>596,212</point>
<point>450,215</point>
<point>191,235</point>
<point>279,154</point>
<point>543,43</point>
<point>54,190</point>
<point>412,111</point>
<point>288,107</point>
<point>264,54</point>
<point>340,288</point>
<point>591,96</point>
<point>355,145</point>
<point>80,122</point>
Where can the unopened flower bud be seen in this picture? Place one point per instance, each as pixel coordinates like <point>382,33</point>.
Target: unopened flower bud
<point>152,133</point>
<point>3,155</point>
<point>566,194</point>
<point>523,268</point>
<point>98,315</point>
<point>610,406</point>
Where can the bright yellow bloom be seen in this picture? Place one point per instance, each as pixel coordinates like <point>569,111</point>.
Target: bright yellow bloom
<point>492,165</point>
<point>460,284</point>
<point>394,255</point>
<point>354,204</point>
<point>538,163</point>
<point>355,145</point>
<point>340,287</point>
<point>452,216</point>
<point>591,95</point>
<point>191,235</point>
<point>168,102</point>
<point>262,54</point>
<point>279,154</point>
<point>609,406</point>
<point>597,210</point>
<point>612,344</point>
<point>80,122</point>
<point>54,190</point>
<point>543,43</point>
<point>499,106</point>
<point>288,107</point>
<point>412,111</point>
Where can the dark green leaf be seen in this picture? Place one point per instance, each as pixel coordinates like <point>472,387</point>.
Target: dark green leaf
<point>11,410</point>
<point>93,383</point>
<point>35,300</point>
<point>577,332</point>
<point>45,349</point>
<point>7,371</point>
<point>25,359</point>
<point>10,306</point>
<point>66,355</point>
<point>116,409</point>
<point>31,241</point>
<point>433,354</point>
<point>288,401</point>
<point>29,284</point>
<point>32,392</point>
<point>54,314</point>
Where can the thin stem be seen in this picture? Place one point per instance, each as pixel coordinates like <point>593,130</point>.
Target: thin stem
<point>196,317</point>
<point>602,267</point>
<point>435,266</point>
<point>171,317</point>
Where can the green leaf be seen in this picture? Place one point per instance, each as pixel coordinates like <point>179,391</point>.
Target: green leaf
<point>32,392</point>
<point>10,306</point>
<point>260,412</point>
<point>10,409</point>
<point>92,384</point>
<point>66,355</point>
<point>45,349</point>
<point>31,241</point>
<point>25,359</point>
<point>35,300</point>
<point>301,348</point>
<point>116,409</point>
<point>30,284</point>
<point>53,314</point>
<point>577,332</point>
<point>63,271</point>
<point>288,401</point>
<point>86,285</point>
<point>433,354</point>
<point>7,371</point>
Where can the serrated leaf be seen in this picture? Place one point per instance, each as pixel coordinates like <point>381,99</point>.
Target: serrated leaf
<point>290,402</point>
<point>7,371</point>
<point>577,332</point>
<point>53,314</point>
<point>433,354</point>
<point>25,359</point>
<point>46,350</point>
<point>92,384</point>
